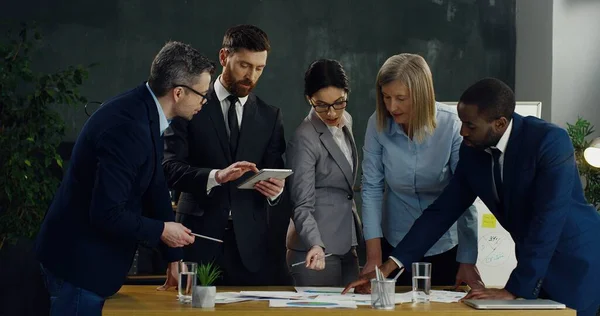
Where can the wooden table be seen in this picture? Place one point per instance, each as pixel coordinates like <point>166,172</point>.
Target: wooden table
<point>145,300</point>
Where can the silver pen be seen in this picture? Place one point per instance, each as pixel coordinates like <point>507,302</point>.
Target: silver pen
<point>206,237</point>
<point>301,262</point>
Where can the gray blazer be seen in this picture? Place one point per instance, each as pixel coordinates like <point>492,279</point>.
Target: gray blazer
<point>321,189</point>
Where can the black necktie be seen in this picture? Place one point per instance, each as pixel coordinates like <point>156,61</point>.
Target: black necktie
<point>234,128</point>
<point>497,175</point>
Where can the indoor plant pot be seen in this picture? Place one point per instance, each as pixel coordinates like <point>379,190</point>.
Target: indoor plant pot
<point>204,294</point>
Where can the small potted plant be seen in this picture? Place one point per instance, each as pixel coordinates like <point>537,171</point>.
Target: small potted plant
<point>204,294</point>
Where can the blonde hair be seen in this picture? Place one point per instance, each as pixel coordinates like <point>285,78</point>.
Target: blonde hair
<point>412,70</point>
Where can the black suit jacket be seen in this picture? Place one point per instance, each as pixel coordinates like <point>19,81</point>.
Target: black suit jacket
<point>93,226</point>
<point>194,148</point>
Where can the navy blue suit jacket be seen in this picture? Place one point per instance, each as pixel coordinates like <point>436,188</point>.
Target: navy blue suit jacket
<point>112,197</point>
<point>556,232</point>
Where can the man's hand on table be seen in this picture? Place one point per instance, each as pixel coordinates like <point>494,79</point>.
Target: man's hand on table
<point>363,284</point>
<point>172,277</point>
<point>469,274</point>
<point>489,294</point>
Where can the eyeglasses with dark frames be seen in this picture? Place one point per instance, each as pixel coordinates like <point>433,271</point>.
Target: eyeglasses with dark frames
<point>322,107</point>
<point>204,96</point>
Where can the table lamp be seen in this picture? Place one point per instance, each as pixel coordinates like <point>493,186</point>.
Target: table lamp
<point>592,153</point>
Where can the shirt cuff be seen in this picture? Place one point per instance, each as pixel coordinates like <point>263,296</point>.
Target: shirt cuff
<point>463,256</point>
<point>272,199</point>
<point>398,263</point>
<point>372,231</point>
<point>212,182</point>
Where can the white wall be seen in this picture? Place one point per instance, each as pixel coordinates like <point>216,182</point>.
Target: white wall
<point>576,61</point>
<point>533,69</point>
<point>558,58</point>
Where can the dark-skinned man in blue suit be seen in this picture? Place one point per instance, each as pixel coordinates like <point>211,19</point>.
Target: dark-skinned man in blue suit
<point>524,170</point>
<point>114,194</point>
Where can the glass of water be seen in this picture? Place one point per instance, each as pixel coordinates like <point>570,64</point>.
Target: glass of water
<point>187,280</point>
<point>421,282</point>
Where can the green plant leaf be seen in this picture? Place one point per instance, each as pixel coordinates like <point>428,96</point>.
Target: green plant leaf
<point>59,160</point>
<point>578,133</point>
<point>208,273</point>
<point>30,133</point>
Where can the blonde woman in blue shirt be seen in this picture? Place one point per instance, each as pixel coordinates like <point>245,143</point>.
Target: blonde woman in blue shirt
<point>410,153</point>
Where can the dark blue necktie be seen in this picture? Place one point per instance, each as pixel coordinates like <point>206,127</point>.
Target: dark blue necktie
<point>234,128</point>
<point>497,175</point>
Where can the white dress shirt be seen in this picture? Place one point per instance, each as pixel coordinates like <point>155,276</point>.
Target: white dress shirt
<point>502,144</point>
<point>340,138</point>
<point>222,95</point>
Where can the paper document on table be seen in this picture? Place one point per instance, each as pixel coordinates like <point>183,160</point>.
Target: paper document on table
<point>359,299</point>
<point>276,294</point>
<point>446,296</point>
<point>400,298</point>
<point>434,296</point>
<point>364,299</point>
<point>230,297</point>
<point>321,290</point>
<point>312,304</point>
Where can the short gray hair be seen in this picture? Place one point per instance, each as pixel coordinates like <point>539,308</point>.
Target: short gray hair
<point>177,64</point>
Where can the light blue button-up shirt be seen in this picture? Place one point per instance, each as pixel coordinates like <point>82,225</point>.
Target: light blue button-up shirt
<point>162,118</point>
<point>413,175</point>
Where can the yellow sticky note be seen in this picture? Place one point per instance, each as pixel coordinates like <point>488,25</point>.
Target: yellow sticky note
<point>488,221</point>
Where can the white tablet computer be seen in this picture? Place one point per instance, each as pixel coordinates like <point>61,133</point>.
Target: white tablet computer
<point>514,304</point>
<point>265,174</point>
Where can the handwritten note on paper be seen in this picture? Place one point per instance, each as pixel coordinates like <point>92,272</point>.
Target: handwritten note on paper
<point>488,221</point>
<point>493,249</point>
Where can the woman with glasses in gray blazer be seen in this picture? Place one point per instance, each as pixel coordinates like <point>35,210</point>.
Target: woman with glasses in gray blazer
<point>325,228</point>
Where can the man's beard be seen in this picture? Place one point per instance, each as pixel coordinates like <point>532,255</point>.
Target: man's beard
<point>235,87</point>
<point>491,139</point>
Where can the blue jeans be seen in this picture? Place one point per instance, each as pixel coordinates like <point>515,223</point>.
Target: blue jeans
<point>68,300</point>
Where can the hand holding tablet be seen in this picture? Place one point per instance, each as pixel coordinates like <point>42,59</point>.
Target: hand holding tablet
<point>265,175</point>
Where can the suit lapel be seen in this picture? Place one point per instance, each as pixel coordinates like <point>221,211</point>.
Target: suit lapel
<point>215,112</point>
<point>333,148</point>
<point>354,153</point>
<point>510,158</point>
<point>249,123</point>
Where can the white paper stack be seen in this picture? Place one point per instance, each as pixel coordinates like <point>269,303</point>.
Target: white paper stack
<point>446,296</point>
<point>230,297</point>
<point>276,295</point>
<point>325,297</point>
<point>311,304</point>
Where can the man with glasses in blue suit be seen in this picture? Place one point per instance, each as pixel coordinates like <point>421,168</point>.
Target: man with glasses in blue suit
<point>114,195</point>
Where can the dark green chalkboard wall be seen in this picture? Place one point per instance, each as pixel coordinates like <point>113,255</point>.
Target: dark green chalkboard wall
<point>462,40</point>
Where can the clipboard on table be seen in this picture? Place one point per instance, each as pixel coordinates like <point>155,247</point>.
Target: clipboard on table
<point>263,175</point>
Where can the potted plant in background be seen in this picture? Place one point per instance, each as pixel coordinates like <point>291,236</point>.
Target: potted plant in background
<point>590,176</point>
<point>204,295</point>
<point>31,130</point>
